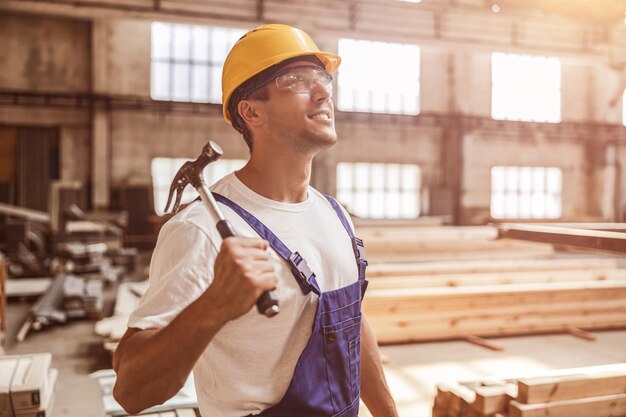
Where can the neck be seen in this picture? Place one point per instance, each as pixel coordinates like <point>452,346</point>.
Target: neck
<point>280,176</point>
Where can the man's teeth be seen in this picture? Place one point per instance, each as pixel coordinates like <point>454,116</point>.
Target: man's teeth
<point>320,116</point>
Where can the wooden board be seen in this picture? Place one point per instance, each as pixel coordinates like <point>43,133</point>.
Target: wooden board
<point>498,278</point>
<point>426,234</point>
<point>549,389</point>
<point>604,406</point>
<point>491,252</point>
<point>474,267</point>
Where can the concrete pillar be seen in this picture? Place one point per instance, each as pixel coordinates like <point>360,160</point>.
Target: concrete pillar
<point>100,123</point>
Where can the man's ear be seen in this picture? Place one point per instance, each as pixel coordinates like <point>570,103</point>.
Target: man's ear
<point>249,112</point>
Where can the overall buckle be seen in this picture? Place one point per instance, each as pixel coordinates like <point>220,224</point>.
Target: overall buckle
<point>303,273</point>
<point>359,249</point>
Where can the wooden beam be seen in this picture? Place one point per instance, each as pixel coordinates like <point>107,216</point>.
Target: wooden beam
<point>499,278</point>
<point>494,399</point>
<point>592,239</point>
<point>475,267</point>
<point>560,388</point>
<point>479,341</point>
<point>604,406</point>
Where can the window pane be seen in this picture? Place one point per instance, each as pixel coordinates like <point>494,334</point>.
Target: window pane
<point>377,189</point>
<point>377,176</point>
<point>200,44</point>
<point>361,173</point>
<point>182,42</point>
<point>409,177</point>
<point>525,192</point>
<point>539,179</point>
<point>215,90</point>
<point>497,205</point>
<point>511,179</point>
<point>497,179</point>
<point>200,82</point>
<point>397,94</point>
<point>160,81</point>
<point>161,38</point>
<point>344,176</point>
<point>409,205</point>
<point>181,82</point>
<point>377,204</point>
<point>526,88</point>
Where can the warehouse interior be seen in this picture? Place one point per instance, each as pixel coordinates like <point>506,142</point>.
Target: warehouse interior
<point>480,154</point>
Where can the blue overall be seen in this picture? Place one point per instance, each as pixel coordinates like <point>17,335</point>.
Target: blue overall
<point>326,380</point>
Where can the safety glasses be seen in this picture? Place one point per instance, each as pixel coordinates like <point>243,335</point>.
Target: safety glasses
<point>302,79</point>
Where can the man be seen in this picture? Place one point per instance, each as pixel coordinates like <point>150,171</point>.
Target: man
<point>316,356</point>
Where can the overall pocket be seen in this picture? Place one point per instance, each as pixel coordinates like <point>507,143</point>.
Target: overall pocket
<point>355,366</point>
<point>339,350</point>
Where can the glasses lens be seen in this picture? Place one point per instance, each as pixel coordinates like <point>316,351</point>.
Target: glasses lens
<point>303,80</point>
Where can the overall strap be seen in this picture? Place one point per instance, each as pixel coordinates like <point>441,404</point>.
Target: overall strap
<point>299,267</point>
<point>357,244</point>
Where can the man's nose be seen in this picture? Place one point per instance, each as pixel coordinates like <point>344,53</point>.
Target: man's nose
<point>321,91</point>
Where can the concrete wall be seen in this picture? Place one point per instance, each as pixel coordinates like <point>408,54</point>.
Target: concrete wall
<point>44,54</point>
<point>111,55</point>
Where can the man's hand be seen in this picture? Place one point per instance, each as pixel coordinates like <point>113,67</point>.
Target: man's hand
<point>243,271</point>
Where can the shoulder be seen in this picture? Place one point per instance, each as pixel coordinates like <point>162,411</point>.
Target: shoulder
<point>326,200</point>
<point>190,225</point>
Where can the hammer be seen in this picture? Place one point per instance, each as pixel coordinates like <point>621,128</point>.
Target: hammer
<point>191,173</point>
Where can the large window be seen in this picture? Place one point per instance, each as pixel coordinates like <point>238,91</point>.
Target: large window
<point>379,77</point>
<point>379,191</point>
<point>526,192</point>
<point>164,170</point>
<point>526,88</point>
<point>187,61</point>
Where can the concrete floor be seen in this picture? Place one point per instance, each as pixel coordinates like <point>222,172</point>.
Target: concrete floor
<point>412,373</point>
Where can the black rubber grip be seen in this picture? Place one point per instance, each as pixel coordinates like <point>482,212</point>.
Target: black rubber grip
<point>267,304</point>
<point>225,228</point>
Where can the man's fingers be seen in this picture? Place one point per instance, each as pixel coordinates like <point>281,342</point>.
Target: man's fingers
<point>249,242</point>
<point>261,267</point>
<point>267,281</point>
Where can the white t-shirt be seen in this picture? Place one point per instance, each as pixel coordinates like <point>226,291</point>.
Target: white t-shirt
<point>248,365</point>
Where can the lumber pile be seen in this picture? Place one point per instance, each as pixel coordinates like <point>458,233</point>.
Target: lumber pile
<point>428,244</point>
<point>27,385</point>
<point>113,328</point>
<point>410,303</point>
<point>582,392</point>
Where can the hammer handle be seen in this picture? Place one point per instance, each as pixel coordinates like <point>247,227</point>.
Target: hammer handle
<point>266,303</point>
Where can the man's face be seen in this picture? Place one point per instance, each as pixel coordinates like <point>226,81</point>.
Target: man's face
<point>304,120</point>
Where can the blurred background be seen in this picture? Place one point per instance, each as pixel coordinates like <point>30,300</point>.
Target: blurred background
<point>481,152</point>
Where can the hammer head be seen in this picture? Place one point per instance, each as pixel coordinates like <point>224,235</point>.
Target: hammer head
<point>191,173</point>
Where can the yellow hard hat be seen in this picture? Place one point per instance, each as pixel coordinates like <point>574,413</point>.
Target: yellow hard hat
<point>263,47</point>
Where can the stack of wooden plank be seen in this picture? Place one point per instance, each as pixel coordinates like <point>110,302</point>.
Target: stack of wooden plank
<point>582,392</point>
<point>424,244</point>
<point>419,302</point>
<point>27,385</point>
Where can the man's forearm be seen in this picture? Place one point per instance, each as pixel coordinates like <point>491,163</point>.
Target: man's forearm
<point>152,365</point>
<point>374,390</point>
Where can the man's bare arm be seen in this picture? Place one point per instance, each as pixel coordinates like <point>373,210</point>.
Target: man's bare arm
<point>374,390</point>
<point>152,365</point>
